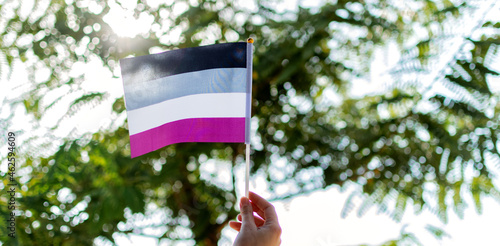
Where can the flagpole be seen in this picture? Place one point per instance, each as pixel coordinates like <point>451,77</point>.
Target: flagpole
<point>247,171</point>
<point>248,114</point>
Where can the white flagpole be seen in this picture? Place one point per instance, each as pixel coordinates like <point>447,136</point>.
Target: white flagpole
<point>248,114</point>
<point>247,171</point>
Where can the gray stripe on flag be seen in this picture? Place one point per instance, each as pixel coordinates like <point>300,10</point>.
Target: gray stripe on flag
<point>220,80</point>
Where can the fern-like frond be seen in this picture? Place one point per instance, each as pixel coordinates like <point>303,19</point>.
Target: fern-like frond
<point>349,204</point>
<point>438,233</point>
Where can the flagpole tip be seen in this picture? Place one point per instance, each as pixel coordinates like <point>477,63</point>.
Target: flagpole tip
<point>250,40</point>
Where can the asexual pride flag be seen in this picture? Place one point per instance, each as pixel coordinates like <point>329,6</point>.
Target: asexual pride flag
<point>197,94</point>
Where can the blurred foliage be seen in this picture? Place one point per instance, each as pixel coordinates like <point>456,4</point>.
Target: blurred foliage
<point>423,140</point>
<point>409,238</point>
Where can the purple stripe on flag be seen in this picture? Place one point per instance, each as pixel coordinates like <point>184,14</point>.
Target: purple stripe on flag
<point>228,130</point>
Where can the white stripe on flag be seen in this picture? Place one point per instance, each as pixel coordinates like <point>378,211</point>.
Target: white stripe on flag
<point>214,105</point>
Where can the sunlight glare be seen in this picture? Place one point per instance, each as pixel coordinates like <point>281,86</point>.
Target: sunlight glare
<point>123,22</point>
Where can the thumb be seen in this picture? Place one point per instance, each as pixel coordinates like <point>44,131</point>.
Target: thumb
<point>247,221</point>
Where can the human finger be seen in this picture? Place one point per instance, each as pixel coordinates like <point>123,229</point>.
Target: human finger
<point>257,210</point>
<point>235,225</point>
<point>258,221</point>
<point>247,222</point>
<point>270,215</point>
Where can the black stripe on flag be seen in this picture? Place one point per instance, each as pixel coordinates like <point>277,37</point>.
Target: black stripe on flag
<point>155,66</point>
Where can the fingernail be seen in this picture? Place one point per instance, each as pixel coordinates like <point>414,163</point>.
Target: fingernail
<point>244,202</point>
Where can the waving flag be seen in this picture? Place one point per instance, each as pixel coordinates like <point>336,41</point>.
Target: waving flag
<point>197,94</point>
